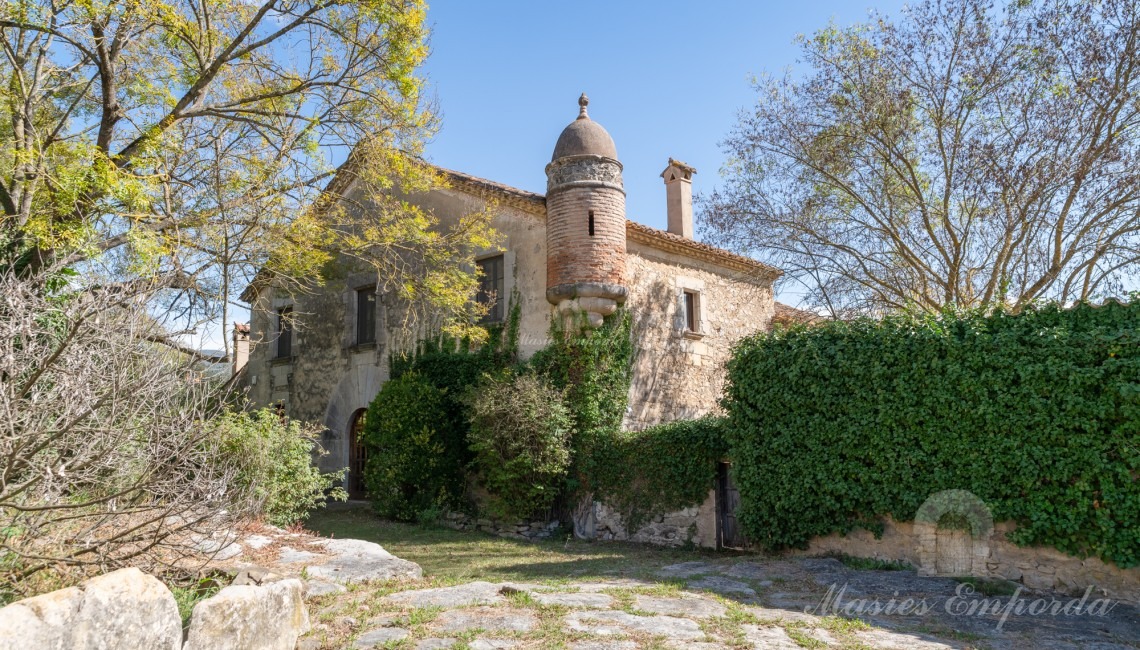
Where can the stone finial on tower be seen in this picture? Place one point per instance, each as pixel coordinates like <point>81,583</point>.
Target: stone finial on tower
<point>679,197</point>
<point>585,222</point>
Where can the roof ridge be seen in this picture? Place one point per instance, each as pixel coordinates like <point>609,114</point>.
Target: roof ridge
<point>641,232</point>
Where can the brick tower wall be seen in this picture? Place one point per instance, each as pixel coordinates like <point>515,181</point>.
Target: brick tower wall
<point>573,255</point>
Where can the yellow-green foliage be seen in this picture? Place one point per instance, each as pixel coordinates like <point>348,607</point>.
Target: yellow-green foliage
<point>212,156</point>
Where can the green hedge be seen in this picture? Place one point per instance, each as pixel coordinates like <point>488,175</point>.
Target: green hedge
<point>1038,414</point>
<point>416,449</point>
<point>662,469</point>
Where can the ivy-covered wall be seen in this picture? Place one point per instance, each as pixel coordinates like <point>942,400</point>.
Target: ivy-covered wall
<point>1038,414</point>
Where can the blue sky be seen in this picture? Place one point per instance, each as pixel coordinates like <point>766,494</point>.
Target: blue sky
<point>666,79</point>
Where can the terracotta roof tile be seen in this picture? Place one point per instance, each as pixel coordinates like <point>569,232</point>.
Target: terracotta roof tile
<point>634,231</point>
<point>535,203</point>
<point>788,315</point>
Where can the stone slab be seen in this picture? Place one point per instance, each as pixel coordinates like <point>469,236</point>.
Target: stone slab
<point>686,570</point>
<point>576,600</point>
<point>380,637</point>
<point>616,623</point>
<point>267,617</point>
<point>749,571</point>
<point>492,644</point>
<point>124,608</point>
<point>472,593</point>
<point>436,644</point>
<point>686,606</point>
<point>355,560</point>
<point>721,585</point>
<point>491,619</point>
<point>886,640</point>
<point>769,638</point>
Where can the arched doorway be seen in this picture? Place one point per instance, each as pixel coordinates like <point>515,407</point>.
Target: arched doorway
<point>357,455</point>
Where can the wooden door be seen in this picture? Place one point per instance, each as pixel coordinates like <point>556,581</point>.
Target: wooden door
<point>728,503</point>
<point>357,456</point>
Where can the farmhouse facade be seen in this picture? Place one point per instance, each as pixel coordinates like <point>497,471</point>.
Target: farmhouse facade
<point>323,355</point>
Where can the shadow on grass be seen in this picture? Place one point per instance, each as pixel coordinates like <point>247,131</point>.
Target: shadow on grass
<point>447,553</point>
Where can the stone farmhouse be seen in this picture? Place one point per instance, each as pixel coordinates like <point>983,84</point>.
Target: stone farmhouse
<point>323,356</point>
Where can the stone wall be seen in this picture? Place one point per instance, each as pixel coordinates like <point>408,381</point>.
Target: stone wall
<point>528,530</point>
<point>679,375</point>
<point>329,378</point>
<point>954,552</point>
<point>695,525</point>
<point>676,375</point>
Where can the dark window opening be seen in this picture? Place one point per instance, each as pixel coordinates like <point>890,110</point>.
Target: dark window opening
<point>491,288</point>
<point>358,456</point>
<point>691,311</point>
<point>366,315</point>
<point>284,332</point>
<point>591,223</point>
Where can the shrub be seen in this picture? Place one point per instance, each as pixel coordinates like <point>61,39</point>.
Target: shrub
<point>106,460</point>
<point>415,461</point>
<point>520,435</point>
<point>1037,414</point>
<point>275,464</point>
<point>663,468</point>
<point>451,367</point>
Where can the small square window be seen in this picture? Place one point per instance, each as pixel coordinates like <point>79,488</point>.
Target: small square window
<point>284,332</point>
<point>366,315</point>
<point>692,311</point>
<point>491,287</point>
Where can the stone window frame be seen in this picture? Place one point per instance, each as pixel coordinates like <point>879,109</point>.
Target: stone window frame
<point>284,321</point>
<point>696,288</point>
<point>508,277</point>
<point>360,338</point>
<point>353,284</point>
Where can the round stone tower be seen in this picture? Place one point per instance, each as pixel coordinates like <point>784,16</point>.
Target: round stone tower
<point>585,222</point>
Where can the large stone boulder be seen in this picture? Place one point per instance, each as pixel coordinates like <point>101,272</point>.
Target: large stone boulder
<point>123,609</point>
<point>355,560</point>
<point>247,617</point>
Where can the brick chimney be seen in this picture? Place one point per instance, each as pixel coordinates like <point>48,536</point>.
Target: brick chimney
<point>679,195</point>
<point>241,346</point>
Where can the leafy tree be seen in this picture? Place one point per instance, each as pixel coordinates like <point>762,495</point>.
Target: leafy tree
<point>184,143</point>
<point>963,154</point>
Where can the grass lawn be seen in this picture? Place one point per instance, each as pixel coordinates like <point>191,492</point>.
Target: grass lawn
<point>454,556</point>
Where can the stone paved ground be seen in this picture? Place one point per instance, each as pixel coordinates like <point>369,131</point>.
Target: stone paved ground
<point>710,603</point>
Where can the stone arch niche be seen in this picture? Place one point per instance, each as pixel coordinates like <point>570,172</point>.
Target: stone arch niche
<point>951,550</point>
<point>354,392</point>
